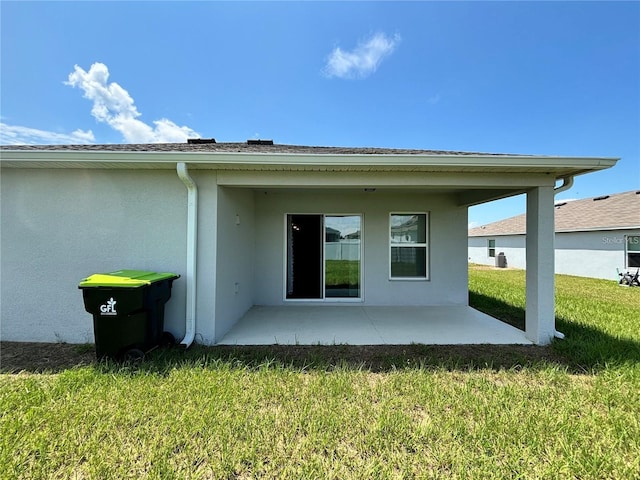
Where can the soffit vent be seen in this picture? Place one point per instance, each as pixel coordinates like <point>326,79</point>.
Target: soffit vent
<point>198,141</point>
<point>259,142</point>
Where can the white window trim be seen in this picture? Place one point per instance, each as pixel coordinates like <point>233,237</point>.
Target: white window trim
<point>427,259</point>
<point>489,247</point>
<point>626,250</point>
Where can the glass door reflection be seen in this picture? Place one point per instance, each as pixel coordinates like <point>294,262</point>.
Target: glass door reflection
<point>342,252</point>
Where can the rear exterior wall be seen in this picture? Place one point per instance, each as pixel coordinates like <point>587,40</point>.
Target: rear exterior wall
<point>62,225</point>
<point>447,283</point>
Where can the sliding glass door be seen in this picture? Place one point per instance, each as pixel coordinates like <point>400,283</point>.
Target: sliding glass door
<point>342,256</point>
<point>323,256</point>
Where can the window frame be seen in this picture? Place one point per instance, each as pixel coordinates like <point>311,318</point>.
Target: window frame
<point>491,249</point>
<point>324,298</point>
<point>628,241</point>
<point>424,245</point>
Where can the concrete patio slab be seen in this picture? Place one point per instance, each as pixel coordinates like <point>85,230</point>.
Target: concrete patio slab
<point>358,325</point>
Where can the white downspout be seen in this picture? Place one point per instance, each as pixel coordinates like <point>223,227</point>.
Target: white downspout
<point>567,183</point>
<point>192,250</point>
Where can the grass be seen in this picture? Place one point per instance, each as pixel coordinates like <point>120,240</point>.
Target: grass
<point>343,273</point>
<point>199,415</point>
<point>600,318</point>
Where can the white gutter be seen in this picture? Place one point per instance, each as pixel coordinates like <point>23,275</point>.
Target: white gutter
<point>567,183</point>
<point>192,247</point>
<point>217,160</point>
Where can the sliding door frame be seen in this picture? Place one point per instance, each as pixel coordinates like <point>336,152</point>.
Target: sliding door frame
<point>324,299</point>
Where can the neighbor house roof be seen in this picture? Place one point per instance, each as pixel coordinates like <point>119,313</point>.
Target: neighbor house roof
<point>606,212</point>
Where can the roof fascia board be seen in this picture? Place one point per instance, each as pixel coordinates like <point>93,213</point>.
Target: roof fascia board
<point>599,229</point>
<point>577,230</point>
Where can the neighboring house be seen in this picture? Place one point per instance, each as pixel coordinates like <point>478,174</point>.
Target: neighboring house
<point>595,237</point>
<point>253,225</point>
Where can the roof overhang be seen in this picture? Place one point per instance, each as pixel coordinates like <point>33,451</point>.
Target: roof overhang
<point>472,178</point>
<point>559,167</point>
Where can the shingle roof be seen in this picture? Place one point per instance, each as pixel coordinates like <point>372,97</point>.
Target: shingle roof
<point>267,157</point>
<point>620,210</point>
<point>240,148</point>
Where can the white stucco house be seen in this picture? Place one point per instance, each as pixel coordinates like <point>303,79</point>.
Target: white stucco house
<point>273,243</point>
<point>595,237</point>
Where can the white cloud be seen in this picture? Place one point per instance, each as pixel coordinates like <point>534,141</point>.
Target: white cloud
<point>113,105</point>
<point>363,60</point>
<point>472,224</point>
<point>17,135</point>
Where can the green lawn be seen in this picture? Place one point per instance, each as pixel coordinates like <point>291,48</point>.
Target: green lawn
<point>600,319</point>
<point>202,415</point>
<point>342,273</point>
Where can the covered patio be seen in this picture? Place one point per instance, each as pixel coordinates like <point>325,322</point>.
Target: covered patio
<point>362,325</point>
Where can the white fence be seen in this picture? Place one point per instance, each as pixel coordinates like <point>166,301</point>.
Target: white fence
<point>342,250</point>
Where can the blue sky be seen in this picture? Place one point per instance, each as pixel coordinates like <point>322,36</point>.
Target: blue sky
<point>550,78</point>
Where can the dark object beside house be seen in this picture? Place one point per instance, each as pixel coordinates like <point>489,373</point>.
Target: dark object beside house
<point>629,279</point>
<point>128,311</point>
<point>501,260</point>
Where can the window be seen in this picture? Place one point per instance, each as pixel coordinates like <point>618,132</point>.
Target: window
<point>491,246</point>
<point>633,251</point>
<point>408,246</point>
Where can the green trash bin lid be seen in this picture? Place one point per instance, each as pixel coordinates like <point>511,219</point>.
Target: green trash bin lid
<point>125,278</point>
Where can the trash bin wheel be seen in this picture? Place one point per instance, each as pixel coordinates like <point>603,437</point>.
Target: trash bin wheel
<point>167,339</point>
<point>134,355</point>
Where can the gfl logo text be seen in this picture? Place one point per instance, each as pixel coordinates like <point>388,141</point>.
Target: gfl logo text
<point>109,308</point>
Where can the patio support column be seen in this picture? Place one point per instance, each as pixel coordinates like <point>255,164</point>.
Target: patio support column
<point>540,288</point>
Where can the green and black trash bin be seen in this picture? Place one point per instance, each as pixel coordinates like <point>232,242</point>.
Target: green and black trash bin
<point>128,311</point>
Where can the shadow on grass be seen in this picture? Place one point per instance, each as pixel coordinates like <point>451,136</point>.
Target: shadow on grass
<point>594,349</point>
<point>584,350</point>
<point>55,358</point>
<point>58,357</point>
<point>584,347</point>
<point>372,358</point>
<point>496,308</point>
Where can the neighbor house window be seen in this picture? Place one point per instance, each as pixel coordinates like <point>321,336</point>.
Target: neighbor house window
<point>492,248</point>
<point>633,251</point>
<point>408,245</point>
